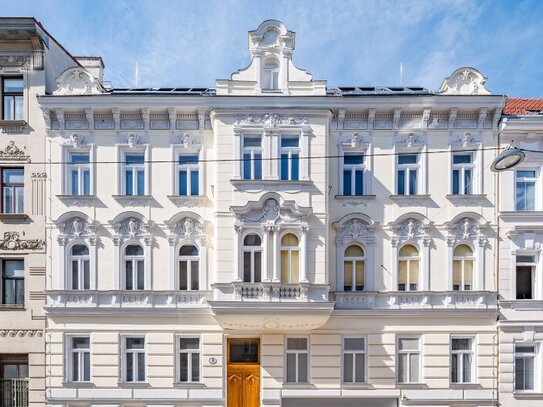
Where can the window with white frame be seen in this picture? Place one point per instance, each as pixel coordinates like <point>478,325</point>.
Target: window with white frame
<point>354,360</point>
<point>13,282</point>
<point>13,99</point>
<point>80,267</point>
<point>407,168</point>
<point>270,75</point>
<point>189,268</point>
<point>463,268</point>
<point>134,359</point>
<point>252,258</point>
<point>290,158</point>
<point>408,354</point>
<point>408,268</point>
<point>290,259</point>
<point>134,174</point>
<point>134,267</point>
<point>525,366</point>
<point>353,174</point>
<point>78,369</point>
<point>462,173</point>
<point>78,174</point>
<point>252,157</point>
<point>13,188</point>
<point>297,355</point>
<point>525,189</point>
<point>353,268</point>
<point>526,266</point>
<point>188,351</point>
<point>462,360</point>
<point>188,173</point>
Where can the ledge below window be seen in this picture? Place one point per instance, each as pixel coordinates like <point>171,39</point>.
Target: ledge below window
<point>189,201</point>
<point>13,216</point>
<point>411,200</point>
<point>466,199</point>
<point>133,200</point>
<point>12,126</point>
<point>12,307</point>
<point>265,184</point>
<point>77,200</point>
<point>355,200</point>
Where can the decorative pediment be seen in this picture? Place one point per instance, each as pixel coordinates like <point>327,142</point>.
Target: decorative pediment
<point>188,141</point>
<point>465,140</point>
<point>13,241</point>
<point>411,227</point>
<point>13,153</point>
<point>132,227</point>
<point>77,81</point>
<point>354,230</point>
<point>76,227</point>
<point>464,81</point>
<point>467,229</point>
<point>270,120</point>
<point>409,140</point>
<point>355,140</point>
<point>271,211</point>
<point>132,140</point>
<point>76,140</point>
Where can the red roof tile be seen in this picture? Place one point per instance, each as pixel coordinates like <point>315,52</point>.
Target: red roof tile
<point>523,106</point>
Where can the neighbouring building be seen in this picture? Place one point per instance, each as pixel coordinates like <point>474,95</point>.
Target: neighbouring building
<point>271,241</point>
<point>520,258</point>
<point>30,60</point>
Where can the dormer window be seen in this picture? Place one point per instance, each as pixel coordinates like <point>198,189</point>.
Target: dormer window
<point>270,76</point>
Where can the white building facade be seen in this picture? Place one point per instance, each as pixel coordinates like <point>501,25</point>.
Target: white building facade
<point>272,241</point>
<point>520,269</point>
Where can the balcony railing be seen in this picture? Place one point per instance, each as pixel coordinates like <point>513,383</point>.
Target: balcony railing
<point>13,392</point>
<point>270,291</point>
<point>446,300</point>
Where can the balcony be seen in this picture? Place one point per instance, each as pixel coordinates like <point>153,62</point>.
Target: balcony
<point>124,301</point>
<point>417,300</point>
<point>13,392</point>
<point>271,306</point>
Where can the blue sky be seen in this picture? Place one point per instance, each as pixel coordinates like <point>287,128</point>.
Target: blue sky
<point>192,43</point>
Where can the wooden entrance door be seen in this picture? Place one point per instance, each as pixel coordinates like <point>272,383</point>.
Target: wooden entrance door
<point>243,373</point>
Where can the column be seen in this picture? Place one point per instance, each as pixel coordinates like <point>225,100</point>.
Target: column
<point>450,245</point>
<point>276,256</point>
<point>340,251</point>
<point>265,245</point>
<point>237,154</point>
<point>394,243</point>
<point>117,262</point>
<point>425,281</point>
<point>369,278</point>
<point>480,261</point>
<point>237,250</point>
<point>303,254</point>
<point>172,240</point>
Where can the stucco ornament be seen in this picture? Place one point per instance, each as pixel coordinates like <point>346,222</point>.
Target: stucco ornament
<point>131,227</point>
<point>464,81</point>
<point>187,227</point>
<point>13,241</point>
<point>77,81</point>
<point>270,120</point>
<point>76,227</point>
<point>13,153</point>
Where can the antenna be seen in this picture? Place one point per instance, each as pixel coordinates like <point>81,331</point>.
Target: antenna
<point>401,73</point>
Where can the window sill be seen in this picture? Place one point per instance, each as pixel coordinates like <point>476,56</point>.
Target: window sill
<point>271,91</point>
<point>411,200</point>
<point>78,384</point>
<point>412,385</point>
<point>8,307</point>
<point>184,385</point>
<point>527,394</point>
<point>465,386</point>
<point>466,199</point>
<point>13,126</point>
<point>187,200</point>
<point>236,181</point>
<point>133,384</point>
<point>133,200</point>
<point>77,200</point>
<point>13,216</point>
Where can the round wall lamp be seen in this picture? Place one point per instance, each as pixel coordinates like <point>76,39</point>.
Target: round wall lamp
<point>507,159</point>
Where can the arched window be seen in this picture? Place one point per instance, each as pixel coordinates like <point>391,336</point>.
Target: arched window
<point>408,268</point>
<point>270,76</point>
<point>353,268</point>
<point>189,268</point>
<point>134,268</point>
<point>290,259</point>
<point>80,267</point>
<point>462,268</point>
<point>252,259</point>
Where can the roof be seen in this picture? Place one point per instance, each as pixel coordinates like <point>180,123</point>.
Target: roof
<point>514,107</point>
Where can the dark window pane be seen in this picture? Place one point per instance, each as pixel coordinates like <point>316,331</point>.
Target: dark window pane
<point>75,275</point>
<point>80,250</point>
<point>462,159</point>
<point>284,166</point>
<point>353,159</point>
<point>412,182</point>
<point>134,250</point>
<point>79,159</point>
<point>189,343</point>
<point>295,164</point>
<point>195,367</point>
<point>247,267</point>
<point>13,85</point>
<point>183,183</point>
<point>252,240</point>
<point>141,182</point>
<point>524,283</point>
<point>75,362</point>
<point>194,279</point>
<point>456,182</point>
<point>258,166</point>
<point>129,183</point>
<point>244,352</point>
<point>135,343</point>
<point>359,182</point>
<point>183,275</point>
<point>134,159</point>
<point>129,275</point>
<point>141,275</point>
<point>183,367</point>
<point>289,142</point>
<point>129,367</point>
<point>401,182</point>
<point>407,159</point>
<point>194,186</point>
<point>252,142</point>
<point>188,250</point>
<point>347,182</point>
<point>258,272</point>
<point>188,159</point>
<point>467,181</point>
<point>247,166</point>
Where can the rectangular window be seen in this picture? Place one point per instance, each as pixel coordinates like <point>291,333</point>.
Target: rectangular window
<point>13,282</point>
<point>297,354</point>
<point>462,174</point>
<point>525,358</point>
<point>462,363</point>
<point>13,366</point>
<point>13,190</point>
<point>290,158</point>
<point>252,157</point>
<point>525,276</point>
<point>134,359</point>
<point>134,174</point>
<point>189,359</point>
<point>353,174</point>
<point>79,359</point>
<point>408,360</point>
<point>189,174</point>
<point>12,90</point>
<point>354,360</point>
<point>407,174</point>
<point>79,174</point>
<point>525,181</point>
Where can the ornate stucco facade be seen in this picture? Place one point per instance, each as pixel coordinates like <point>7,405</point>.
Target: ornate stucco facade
<point>270,241</point>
